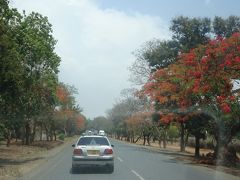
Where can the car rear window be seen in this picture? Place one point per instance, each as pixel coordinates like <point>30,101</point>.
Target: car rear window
<point>93,141</point>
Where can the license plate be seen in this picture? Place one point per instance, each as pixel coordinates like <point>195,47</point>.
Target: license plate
<point>93,152</point>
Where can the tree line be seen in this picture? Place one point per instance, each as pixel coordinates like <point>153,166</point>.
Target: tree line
<point>187,88</point>
<point>32,100</point>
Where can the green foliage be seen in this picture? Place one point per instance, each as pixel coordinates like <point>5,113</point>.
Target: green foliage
<point>155,117</point>
<point>101,123</point>
<point>187,33</point>
<point>197,125</point>
<point>237,135</point>
<point>159,54</point>
<point>173,132</point>
<point>61,137</point>
<point>190,32</point>
<point>28,69</point>
<point>226,27</point>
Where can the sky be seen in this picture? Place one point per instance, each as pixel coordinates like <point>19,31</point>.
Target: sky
<point>97,38</point>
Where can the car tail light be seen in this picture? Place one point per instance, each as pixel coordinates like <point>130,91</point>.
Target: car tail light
<point>77,152</point>
<point>108,151</point>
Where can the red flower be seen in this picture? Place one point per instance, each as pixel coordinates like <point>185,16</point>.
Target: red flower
<point>204,60</point>
<point>197,74</point>
<point>228,63</point>
<point>232,98</point>
<point>237,59</point>
<point>196,86</point>
<point>206,88</point>
<point>221,98</point>
<point>222,66</point>
<point>226,108</point>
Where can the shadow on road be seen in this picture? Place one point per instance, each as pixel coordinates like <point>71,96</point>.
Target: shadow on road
<point>4,162</point>
<point>165,152</point>
<point>92,170</point>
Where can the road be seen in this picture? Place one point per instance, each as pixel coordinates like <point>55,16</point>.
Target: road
<point>132,162</point>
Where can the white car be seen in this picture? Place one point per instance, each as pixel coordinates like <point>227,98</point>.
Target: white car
<point>92,151</point>
<point>101,132</point>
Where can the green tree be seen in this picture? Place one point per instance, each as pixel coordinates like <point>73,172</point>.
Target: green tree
<point>28,69</point>
<point>40,63</point>
<point>226,27</point>
<point>11,70</point>
<point>190,32</point>
<point>173,132</point>
<point>102,123</point>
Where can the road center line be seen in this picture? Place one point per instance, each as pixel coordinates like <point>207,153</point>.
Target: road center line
<point>140,177</point>
<point>119,159</point>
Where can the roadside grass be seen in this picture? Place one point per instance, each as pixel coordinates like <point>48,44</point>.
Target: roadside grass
<point>18,159</point>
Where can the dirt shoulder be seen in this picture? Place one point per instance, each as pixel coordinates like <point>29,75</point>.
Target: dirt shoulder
<point>187,157</point>
<point>18,159</point>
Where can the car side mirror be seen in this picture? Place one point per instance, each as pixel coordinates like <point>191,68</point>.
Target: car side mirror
<point>73,145</point>
<point>112,145</point>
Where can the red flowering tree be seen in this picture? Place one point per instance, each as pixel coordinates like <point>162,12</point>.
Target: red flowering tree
<point>212,69</point>
<point>165,88</point>
<point>68,114</point>
<point>203,80</point>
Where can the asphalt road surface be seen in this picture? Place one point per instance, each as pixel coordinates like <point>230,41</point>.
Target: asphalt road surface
<point>132,162</point>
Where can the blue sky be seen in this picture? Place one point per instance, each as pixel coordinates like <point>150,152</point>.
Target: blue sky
<point>96,39</point>
<point>168,9</point>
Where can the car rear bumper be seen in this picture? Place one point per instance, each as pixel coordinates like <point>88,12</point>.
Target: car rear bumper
<point>78,161</point>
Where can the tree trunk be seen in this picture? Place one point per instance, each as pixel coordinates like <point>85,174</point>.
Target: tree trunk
<point>225,155</point>
<point>33,133</point>
<point>23,135</point>
<point>128,138</point>
<point>144,140</point>
<point>160,142</point>
<point>197,146</point>
<point>148,139</point>
<point>164,143</point>
<point>51,135</point>
<point>186,138</point>
<point>55,135</point>
<point>28,132</point>
<point>182,143</point>
<point>41,132</point>
<point>133,138</point>
<point>8,138</point>
<point>164,138</point>
<point>65,132</point>
<point>137,139</point>
<point>47,135</point>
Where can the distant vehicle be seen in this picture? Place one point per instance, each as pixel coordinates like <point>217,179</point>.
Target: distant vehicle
<point>89,133</point>
<point>83,134</point>
<point>101,132</point>
<point>90,151</point>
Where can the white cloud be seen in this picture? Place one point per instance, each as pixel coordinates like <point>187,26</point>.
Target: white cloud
<point>95,46</point>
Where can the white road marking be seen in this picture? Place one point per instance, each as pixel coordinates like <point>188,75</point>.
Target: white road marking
<point>140,177</point>
<point>120,159</point>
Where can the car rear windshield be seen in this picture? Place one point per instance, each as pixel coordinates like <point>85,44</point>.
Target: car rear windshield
<point>93,141</point>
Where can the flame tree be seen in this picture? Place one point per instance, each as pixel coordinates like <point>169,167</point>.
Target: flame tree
<point>203,80</point>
